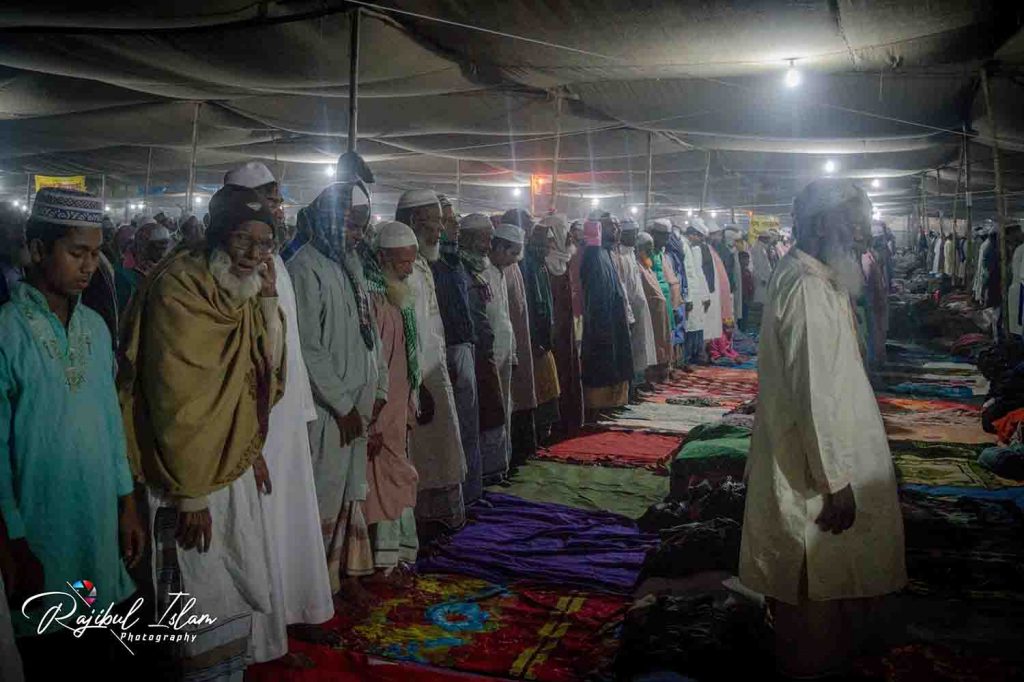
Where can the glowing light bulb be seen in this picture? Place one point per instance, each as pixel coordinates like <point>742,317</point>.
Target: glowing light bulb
<point>197,200</point>
<point>793,77</point>
<point>329,171</point>
<point>517,192</point>
<point>107,207</point>
<point>634,210</point>
<point>876,214</point>
<point>830,166</point>
<point>595,202</point>
<point>714,213</point>
<point>876,183</point>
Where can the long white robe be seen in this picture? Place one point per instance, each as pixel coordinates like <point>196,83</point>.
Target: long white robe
<point>937,253</point>
<point>949,257</point>
<point>499,317</point>
<point>713,318</point>
<point>817,429</point>
<point>696,288</point>
<point>300,589</point>
<point>1015,296</point>
<point>761,268</point>
<point>645,353</point>
<point>435,448</point>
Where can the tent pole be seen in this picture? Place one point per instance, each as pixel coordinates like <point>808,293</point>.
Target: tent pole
<point>458,186</point>
<point>971,260</point>
<point>707,176</point>
<point>650,176</point>
<point>28,189</point>
<point>103,190</point>
<point>1000,204</point>
<point>558,150</point>
<point>149,169</point>
<point>353,78</point>
<point>190,192</point>
<point>924,205</point>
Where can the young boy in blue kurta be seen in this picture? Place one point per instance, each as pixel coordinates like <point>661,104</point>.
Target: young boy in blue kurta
<point>65,484</point>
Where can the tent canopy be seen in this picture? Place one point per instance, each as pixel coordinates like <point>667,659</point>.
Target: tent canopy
<point>449,88</point>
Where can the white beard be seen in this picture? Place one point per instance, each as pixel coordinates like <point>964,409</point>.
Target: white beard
<point>431,253</point>
<point>238,288</point>
<point>844,263</point>
<point>398,291</point>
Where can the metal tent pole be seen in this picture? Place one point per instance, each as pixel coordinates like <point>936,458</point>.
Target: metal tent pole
<point>650,176</point>
<point>707,176</point>
<point>149,170</point>
<point>1000,203</point>
<point>558,150</point>
<point>28,189</point>
<point>190,191</point>
<point>353,79</point>
<point>458,186</point>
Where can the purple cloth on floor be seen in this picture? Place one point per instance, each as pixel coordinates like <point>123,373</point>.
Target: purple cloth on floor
<point>519,540</point>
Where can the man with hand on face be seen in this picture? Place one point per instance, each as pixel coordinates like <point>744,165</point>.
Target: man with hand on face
<point>391,477</point>
<point>65,485</point>
<point>202,366</point>
<point>341,348</point>
<point>822,530</point>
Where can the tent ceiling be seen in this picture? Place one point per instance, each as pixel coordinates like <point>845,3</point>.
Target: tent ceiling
<point>886,88</point>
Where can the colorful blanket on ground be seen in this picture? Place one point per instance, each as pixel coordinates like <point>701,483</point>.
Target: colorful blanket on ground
<point>662,417</point>
<point>962,546</point>
<point>932,420</point>
<point>473,626</point>
<point>628,492</point>
<point>944,464</point>
<point>510,539</point>
<point>620,448</point>
<point>932,390</point>
<point>730,386</point>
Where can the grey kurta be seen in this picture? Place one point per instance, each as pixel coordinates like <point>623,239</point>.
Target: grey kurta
<point>343,374</point>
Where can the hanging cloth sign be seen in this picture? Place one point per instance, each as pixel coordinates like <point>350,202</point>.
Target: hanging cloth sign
<point>68,182</point>
<point>760,224</point>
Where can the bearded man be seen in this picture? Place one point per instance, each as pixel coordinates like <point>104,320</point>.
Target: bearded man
<point>642,332</point>
<point>444,443</point>
<point>202,366</point>
<point>822,529</point>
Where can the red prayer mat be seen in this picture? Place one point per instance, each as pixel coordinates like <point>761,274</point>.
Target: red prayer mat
<point>621,448</point>
<point>727,387</point>
<point>447,623</point>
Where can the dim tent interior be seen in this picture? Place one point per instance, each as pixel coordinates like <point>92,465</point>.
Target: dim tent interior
<point>469,98</point>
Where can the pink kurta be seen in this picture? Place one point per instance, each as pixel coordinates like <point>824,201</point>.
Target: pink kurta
<point>722,286</point>
<point>390,476</point>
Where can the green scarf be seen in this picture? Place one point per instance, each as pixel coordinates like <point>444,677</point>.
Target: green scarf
<point>377,283</point>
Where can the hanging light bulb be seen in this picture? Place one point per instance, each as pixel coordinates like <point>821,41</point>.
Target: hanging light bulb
<point>689,213</point>
<point>107,207</point>
<point>876,183</point>
<point>634,210</point>
<point>793,77</point>
<point>595,202</point>
<point>517,192</point>
<point>329,171</point>
<point>876,214</point>
<point>830,166</point>
<point>714,213</point>
<point>197,200</point>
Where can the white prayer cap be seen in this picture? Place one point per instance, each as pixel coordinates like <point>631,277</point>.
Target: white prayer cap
<point>474,222</point>
<point>698,226</point>
<point>159,233</point>
<point>732,234</point>
<point>712,225</point>
<point>644,240</point>
<point>662,225</point>
<point>395,235</point>
<point>415,198</point>
<point>252,175</point>
<point>629,225</point>
<point>510,233</point>
<point>823,195</point>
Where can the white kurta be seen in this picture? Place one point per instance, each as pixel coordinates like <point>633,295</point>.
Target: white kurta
<point>435,448</point>
<point>713,318</point>
<point>949,257</point>
<point>937,256</point>
<point>817,429</point>
<point>761,268</point>
<point>645,353</point>
<point>498,316</point>
<point>1015,296</point>
<point>300,589</point>
<point>696,287</point>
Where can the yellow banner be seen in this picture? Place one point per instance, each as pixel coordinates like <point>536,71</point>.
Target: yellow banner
<point>759,224</point>
<point>69,182</point>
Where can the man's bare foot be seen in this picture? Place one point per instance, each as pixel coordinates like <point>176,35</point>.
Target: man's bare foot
<point>353,600</point>
<point>297,661</point>
<point>314,634</point>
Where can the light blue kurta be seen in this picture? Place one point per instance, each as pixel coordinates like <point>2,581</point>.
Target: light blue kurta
<point>62,449</point>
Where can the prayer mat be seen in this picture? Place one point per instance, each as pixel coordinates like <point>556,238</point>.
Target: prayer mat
<point>623,491</point>
<point>933,390</point>
<point>620,448</point>
<point>935,663</point>
<point>730,386</point>
<point>469,625</point>
<point>663,417</point>
<point>944,464</point>
<point>943,422</point>
<point>961,546</point>
<point>511,539</point>
<point>345,665</point>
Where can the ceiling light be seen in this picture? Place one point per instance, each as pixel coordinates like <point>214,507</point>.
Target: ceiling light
<point>714,213</point>
<point>876,214</point>
<point>329,171</point>
<point>634,210</point>
<point>107,207</point>
<point>595,202</point>
<point>830,166</point>
<point>793,77</point>
<point>689,213</point>
<point>876,183</point>
<point>198,200</point>
<point>376,218</point>
<point>17,204</point>
<point>517,192</point>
